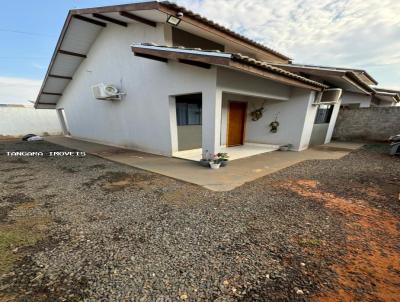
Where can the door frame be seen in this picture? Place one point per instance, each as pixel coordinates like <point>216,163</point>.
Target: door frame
<point>244,123</point>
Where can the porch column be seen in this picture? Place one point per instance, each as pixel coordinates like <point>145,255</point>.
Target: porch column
<point>332,122</point>
<point>211,121</point>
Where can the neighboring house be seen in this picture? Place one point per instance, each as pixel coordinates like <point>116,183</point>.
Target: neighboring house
<point>17,120</point>
<point>385,98</point>
<point>190,90</point>
<point>357,85</point>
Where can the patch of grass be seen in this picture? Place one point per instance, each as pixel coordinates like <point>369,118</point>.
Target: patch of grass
<point>117,181</point>
<point>68,169</point>
<point>309,242</point>
<point>12,169</point>
<point>376,146</point>
<point>17,198</point>
<point>20,234</point>
<point>97,166</point>
<point>19,161</point>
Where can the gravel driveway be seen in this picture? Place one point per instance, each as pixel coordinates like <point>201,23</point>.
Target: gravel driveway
<point>86,229</point>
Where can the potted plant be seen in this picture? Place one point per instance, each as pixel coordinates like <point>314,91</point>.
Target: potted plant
<point>215,163</point>
<point>205,159</point>
<point>224,158</point>
<point>285,147</point>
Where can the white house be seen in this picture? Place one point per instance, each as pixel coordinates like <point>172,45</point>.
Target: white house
<point>186,83</point>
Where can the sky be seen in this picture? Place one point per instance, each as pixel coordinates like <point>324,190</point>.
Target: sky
<point>361,34</point>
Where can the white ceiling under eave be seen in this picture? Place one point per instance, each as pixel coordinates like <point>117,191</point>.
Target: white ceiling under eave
<point>78,38</point>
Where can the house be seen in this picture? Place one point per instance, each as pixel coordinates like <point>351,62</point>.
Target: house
<point>385,97</point>
<point>359,90</point>
<point>186,84</point>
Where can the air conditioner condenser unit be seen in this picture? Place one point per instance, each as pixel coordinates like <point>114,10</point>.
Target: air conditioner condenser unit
<point>106,92</point>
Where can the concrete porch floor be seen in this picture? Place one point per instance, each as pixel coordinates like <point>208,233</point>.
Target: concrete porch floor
<point>237,152</point>
<point>235,174</point>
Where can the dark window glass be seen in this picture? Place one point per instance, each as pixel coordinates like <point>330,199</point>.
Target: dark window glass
<point>324,114</point>
<point>188,110</point>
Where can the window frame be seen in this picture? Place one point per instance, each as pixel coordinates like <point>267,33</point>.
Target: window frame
<point>187,102</point>
<point>324,118</point>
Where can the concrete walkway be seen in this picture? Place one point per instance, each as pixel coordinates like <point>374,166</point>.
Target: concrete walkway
<point>235,174</point>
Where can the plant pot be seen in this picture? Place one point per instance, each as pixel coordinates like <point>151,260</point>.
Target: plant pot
<point>224,163</point>
<point>204,162</point>
<point>214,165</point>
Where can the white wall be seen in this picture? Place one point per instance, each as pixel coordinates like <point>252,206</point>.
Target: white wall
<point>18,121</point>
<point>356,98</point>
<point>142,120</point>
<point>241,83</point>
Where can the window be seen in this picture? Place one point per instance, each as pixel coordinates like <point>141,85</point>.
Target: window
<point>324,114</point>
<point>188,109</point>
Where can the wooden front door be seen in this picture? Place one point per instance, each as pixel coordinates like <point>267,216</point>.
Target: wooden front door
<point>236,120</point>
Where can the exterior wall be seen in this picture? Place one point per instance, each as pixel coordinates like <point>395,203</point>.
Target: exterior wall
<point>183,38</point>
<point>145,119</point>
<point>189,137</point>
<point>16,121</point>
<point>363,100</point>
<point>319,134</point>
<point>244,84</point>
<point>292,106</point>
<point>374,123</point>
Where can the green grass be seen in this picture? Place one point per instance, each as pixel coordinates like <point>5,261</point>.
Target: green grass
<point>305,242</point>
<point>22,233</point>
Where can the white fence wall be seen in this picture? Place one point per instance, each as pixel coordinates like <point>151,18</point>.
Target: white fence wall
<point>16,121</point>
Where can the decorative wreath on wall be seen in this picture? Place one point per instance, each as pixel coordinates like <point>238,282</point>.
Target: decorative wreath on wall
<point>256,114</point>
<point>274,125</point>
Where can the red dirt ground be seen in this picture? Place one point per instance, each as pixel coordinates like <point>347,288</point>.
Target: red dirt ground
<point>371,267</point>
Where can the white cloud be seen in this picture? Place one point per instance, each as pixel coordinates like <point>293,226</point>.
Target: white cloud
<point>18,90</point>
<point>39,66</point>
<point>352,33</point>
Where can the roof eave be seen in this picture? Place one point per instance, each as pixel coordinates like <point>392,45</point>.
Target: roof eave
<point>149,5</point>
<point>365,86</point>
<point>53,57</point>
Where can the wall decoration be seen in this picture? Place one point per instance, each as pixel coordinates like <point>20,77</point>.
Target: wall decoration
<point>274,125</point>
<point>256,114</point>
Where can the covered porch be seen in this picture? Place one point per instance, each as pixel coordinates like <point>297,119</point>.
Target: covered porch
<point>235,152</point>
<point>238,121</point>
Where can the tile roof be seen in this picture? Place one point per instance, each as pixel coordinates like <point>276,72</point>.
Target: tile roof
<point>198,17</point>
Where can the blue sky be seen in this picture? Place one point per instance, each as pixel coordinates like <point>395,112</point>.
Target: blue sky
<point>349,33</point>
<point>29,31</point>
